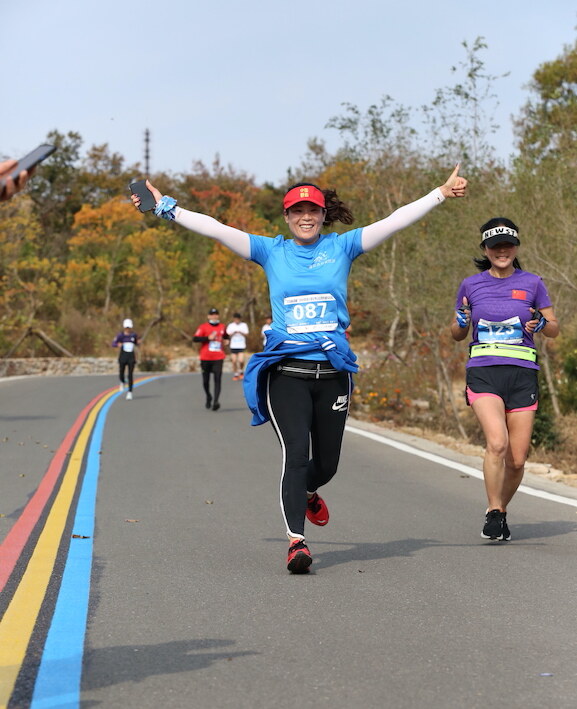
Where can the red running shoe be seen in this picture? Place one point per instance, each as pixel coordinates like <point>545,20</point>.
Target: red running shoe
<point>317,510</point>
<point>299,558</point>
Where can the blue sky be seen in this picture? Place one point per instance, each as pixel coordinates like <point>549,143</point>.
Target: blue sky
<point>251,81</point>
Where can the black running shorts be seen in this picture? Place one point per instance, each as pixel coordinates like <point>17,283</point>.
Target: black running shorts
<point>517,386</point>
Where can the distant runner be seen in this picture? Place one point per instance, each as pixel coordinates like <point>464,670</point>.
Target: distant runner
<point>265,328</point>
<point>128,341</point>
<point>211,334</point>
<point>237,330</point>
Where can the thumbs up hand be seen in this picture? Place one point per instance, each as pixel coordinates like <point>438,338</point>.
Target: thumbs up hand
<point>455,186</point>
<point>463,314</point>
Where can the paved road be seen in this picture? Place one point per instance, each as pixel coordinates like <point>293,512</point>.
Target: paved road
<point>191,605</point>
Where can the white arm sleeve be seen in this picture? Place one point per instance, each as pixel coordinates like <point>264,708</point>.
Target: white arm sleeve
<point>375,234</point>
<point>235,239</point>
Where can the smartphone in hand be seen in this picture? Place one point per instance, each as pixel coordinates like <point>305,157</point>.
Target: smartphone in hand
<point>147,201</point>
<point>28,162</point>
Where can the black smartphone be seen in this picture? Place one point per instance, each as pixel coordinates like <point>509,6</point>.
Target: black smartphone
<point>29,161</point>
<point>147,201</point>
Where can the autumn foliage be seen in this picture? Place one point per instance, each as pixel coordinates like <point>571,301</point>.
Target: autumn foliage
<point>76,257</point>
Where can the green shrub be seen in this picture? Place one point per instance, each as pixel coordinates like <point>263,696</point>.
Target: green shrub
<point>568,385</point>
<point>545,434</point>
<point>153,363</point>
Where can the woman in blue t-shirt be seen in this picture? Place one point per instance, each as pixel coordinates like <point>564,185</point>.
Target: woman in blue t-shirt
<point>506,307</point>
<point>301,382</point>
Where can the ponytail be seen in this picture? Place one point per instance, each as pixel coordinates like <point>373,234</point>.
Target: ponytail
<point>336,210</point>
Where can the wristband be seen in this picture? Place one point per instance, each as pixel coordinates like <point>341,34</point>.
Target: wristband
<point>165,208</point>
<point>541,324</point>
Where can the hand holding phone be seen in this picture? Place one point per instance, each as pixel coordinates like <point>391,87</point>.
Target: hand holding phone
<point>147,201</point>
<point>7,187</point>
<point>27,163</point>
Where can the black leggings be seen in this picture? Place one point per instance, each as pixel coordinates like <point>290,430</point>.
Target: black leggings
<point>215,366</point>
<point>126,360</point>
<point>309,417</point>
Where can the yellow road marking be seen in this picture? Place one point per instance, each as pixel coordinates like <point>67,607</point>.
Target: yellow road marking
<point>20,618</point>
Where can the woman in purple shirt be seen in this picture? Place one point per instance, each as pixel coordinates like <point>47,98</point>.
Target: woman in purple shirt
<point>506,306</point>
<point>127,341</point>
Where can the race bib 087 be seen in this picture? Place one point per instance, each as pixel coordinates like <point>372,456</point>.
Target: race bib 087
<point>311,313</point>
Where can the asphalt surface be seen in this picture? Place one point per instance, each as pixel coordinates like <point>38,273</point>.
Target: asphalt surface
<point>191,604</point>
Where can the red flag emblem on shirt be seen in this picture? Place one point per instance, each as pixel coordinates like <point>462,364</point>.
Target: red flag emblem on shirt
<point>519,294</point>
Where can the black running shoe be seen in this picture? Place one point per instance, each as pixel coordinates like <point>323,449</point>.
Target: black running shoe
<point>493,528</point>
<point>208,403</point>
<point>506,533</point>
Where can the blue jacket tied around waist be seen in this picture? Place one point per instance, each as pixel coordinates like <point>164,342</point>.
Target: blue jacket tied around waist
<point>279,346</point>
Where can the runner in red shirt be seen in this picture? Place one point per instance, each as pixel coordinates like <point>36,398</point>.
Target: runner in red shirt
<point>211,334</point>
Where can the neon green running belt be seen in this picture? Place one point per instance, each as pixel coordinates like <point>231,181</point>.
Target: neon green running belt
<point>492,349</point>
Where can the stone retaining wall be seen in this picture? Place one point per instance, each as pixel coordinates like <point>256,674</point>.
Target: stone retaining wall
<point>61,366</point>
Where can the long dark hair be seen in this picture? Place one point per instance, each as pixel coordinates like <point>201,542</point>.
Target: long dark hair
<point>482,262</point>
<point>337,211</point>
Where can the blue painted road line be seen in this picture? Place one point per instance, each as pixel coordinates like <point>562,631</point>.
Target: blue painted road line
<point>60,672</point>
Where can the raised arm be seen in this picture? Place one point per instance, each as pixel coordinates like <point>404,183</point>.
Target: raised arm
<point>234,239</point>
<point>375,234</point>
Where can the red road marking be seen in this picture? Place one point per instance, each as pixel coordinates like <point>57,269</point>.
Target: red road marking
<point>15,541</point>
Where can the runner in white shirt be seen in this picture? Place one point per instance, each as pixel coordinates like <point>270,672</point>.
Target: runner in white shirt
<point>237,330</point>
<point>267,326</point>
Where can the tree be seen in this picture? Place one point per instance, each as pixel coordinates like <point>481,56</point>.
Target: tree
<point>156,259</point>
<point>103,175</point>
<point>547,126</point>
<point>545,192</point>
<point>55,192</point>
<point>30,284</point>
<point>383,164</point>
<point>99,269</point>
<point>460,119</point>
<point>66,181</point>
<point>232,198</point>
<point>236,284</point>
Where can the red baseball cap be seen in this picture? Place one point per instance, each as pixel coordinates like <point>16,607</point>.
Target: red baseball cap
<point>304,193</point>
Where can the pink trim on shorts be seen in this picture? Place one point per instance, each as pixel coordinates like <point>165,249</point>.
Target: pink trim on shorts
<point>472,396</point>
